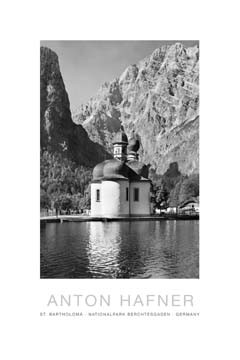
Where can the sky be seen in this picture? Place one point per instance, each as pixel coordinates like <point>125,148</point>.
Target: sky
<point>86,65</point>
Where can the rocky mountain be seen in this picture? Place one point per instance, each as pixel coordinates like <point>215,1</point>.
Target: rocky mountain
<point>59,134</point>
<point>159,99</point>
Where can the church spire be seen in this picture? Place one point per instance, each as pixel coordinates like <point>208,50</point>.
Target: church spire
<point>120,143</point>
<point>133,147</point>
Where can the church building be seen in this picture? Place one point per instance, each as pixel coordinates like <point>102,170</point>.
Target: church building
<point>120,186</point>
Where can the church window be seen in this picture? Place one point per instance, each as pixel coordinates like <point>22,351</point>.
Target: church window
<point>136,194</point>
<point>98,195</point>
<point>126,194</point>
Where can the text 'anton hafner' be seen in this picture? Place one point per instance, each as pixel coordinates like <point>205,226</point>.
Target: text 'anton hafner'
<point>124,300</point>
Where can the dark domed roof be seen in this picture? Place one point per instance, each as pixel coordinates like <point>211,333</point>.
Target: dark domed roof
<point>133,145</point>
<point>98,171</point>
<point>115,169</point>
<point>139,168</point>
<point>120,137</point>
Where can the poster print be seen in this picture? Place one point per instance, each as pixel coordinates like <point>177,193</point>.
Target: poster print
<point>119,159</point>
<point>26,292</point>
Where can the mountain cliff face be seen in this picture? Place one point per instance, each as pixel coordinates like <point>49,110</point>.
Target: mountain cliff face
<point>159,99</point>
<point>59,134</point>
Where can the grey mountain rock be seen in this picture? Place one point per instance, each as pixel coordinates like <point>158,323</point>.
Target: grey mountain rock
<point>158,98</point>
<point>58,132</point>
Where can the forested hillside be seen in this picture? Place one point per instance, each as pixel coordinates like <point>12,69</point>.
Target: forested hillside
<point>173,188</point>
<point>67,153</point>
<point>63,184</point>
<point>157,98</point>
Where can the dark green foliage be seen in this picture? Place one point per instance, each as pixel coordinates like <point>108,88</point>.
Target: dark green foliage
<point>45,201</point>
<point>189,188</point>
<point>173,188</point>
<point>63,183</point>
<point>65,186</point>
<point>159,192</point>
<point>174,193</point>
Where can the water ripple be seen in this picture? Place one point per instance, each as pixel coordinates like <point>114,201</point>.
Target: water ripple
<point>166,249</point>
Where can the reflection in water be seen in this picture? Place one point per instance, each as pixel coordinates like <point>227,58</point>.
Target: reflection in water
<point>137,249</point>
<point>103,248</point>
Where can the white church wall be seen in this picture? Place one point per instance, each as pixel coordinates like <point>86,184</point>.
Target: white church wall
<point>124,204</point>
<point>113,201</point>
<point>96,206</point>
<point>111,198</point>
<point>142,206</point>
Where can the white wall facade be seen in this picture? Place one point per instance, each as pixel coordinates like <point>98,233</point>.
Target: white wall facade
<point>142,206</point>
<point>113,200</point>
<point>96,206</point>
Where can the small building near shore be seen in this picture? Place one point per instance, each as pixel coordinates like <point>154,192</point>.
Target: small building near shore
<point>189,206</point>
<point>171,210</point>
<point>120,186</point>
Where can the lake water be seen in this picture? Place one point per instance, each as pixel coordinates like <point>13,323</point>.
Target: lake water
<point>136,249</point>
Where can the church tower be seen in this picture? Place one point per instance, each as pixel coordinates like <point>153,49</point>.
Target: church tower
<point>120,186</point>
<point>133,147</point>
<point>120,143</point>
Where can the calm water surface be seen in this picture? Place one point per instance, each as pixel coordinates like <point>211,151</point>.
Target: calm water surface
<point>137,249</point>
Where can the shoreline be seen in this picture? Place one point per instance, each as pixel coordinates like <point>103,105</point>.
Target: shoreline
<point>86,218</point>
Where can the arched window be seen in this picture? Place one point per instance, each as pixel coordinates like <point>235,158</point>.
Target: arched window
<point>98,195</point>
<point>136,194</point>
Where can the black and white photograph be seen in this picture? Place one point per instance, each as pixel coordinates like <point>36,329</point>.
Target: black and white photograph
<point>104,255</point>
<point>119,164</point>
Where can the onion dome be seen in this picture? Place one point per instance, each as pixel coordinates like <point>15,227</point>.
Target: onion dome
<point>139,168</point>
<point>98,171</point>
<point>120,137</point>
<point>115,169</point>
<point>133,145</point>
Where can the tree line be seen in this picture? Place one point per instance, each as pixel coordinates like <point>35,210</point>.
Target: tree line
<point>173,188</point>
<point>65,186</point>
